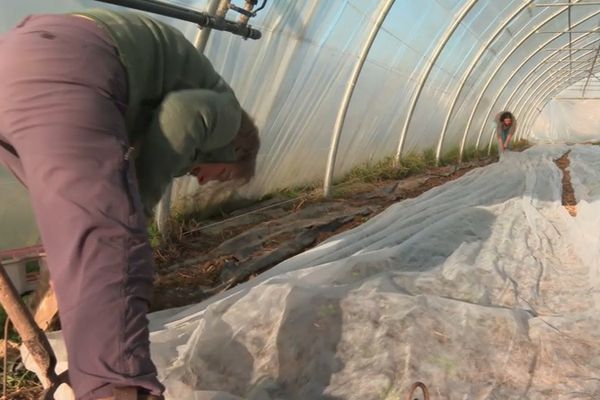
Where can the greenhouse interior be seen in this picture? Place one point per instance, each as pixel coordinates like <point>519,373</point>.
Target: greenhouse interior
<point>421,218</point>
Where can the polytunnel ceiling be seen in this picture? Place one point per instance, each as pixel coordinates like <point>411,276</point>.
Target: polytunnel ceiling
<point>572,66</point>
<point>558,52</point>
<point>539,50</point>
<point>562,57</point>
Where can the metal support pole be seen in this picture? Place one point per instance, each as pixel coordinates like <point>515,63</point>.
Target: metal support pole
<point>201,38</point>
<point>499,92</point>
<point>517,70</point>
<point>532,102</point>
<point>570,37</point>
<point>543,74</point>
<point>464,11</point>
<point>540,104</point>
<point>548,79</point>
<point>520,105</point>
<point>518,110</point>
<point>569,4</point>
<point>163,208</point>
<point>466,76</point>
<point>535,96</point>
<point>543,91</point>
<point>339,122</point>
<point>587,81</point>
<point>184,14</point>
<point>498,67</point>
<point>515,73</point>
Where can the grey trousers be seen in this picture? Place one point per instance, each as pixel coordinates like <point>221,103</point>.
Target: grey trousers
<point>62,133</point>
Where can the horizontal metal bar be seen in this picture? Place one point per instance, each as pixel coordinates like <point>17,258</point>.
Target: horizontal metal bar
<point>595,30</point>
<point>579,68</point>
<point>184,14</point>
<point>23,252</point>
<point>567,61</point>
<point>573,49</point>
<point>592,3</point>
<point>577,98</point>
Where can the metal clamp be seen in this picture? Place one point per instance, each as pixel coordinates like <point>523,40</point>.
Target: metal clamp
<point>204,20</point>
<point>413,389</point>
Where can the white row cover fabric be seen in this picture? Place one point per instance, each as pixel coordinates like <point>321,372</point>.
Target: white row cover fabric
<point>483,288</point>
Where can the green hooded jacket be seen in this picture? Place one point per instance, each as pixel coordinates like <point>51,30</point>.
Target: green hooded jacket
<point>180,112</point>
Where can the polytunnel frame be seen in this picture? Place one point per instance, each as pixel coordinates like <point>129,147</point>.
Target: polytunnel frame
<point>523,105</point>
<point>545,94</point>
<point>590,72</point>
<point>339,122</point>
<point>467,75</point>
<point>219,8</point>
<point>520,104</point>
<point>431,60</point>
<point>487,114</point>
<point>552,90</point>
<point>532,83</point>
<point>523,63</point>
<point>526,119</point>
<point>498,68</point>
<point>441,45</point>
<point>201,40</point>
<point>589,77</point>
<point>545,99</point>
<point>549,85</point>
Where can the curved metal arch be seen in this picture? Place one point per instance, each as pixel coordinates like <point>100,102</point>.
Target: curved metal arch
<point>548,80</point>
<point>537,105</point>
<point>522,105</point>
<point>339,122</point>
<point>163,208</point>
<point>546,95</point>
<point>464,11</point>
<point>467,74</point>
<point>530,85</point>
<point>548,85</point>
<point>529,115</point>
<point>517,69</point>
<point>540,102</point>
<point>500,65</point>
<point>533,70</point>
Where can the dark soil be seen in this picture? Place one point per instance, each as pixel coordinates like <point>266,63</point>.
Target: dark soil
<point>568,194</point>
<point>221,253</point>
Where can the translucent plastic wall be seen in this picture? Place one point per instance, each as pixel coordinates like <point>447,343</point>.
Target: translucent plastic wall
<point>294,78</point>
<point>438,71</point>
<point>572,116</point>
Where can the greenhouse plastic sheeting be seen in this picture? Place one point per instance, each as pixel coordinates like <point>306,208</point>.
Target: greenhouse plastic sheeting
<point>568,120</point>
<point>500,56</point>
<point>17,225</point>
<point>483,288</point>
